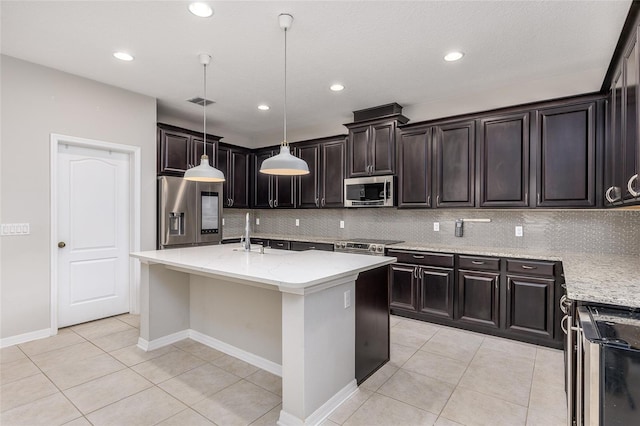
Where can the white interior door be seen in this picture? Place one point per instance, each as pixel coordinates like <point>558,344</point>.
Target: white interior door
<point>93,234</point>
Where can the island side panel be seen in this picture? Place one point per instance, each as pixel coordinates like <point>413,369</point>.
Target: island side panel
<point>318,350</point>
<point>246,317</point>
<point>164,304</point>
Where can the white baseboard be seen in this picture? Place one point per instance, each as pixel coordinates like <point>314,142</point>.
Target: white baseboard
<point>323,411</point>
<point>236,352</point>
<point>26,337</point>
<point>146,345</point>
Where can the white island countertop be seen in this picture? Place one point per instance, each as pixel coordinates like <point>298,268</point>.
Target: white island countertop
<point>288,270</point>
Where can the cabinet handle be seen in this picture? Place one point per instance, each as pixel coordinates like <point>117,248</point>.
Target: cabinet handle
<point>528,267</point>
<point>630,186</point>
<point>312,247</point>
<point>478,262</point>
<point>323,202</point>
<point>496,284</point>
<point>317,202</point>
<point>429,199</point>
<point>538,199</point>
<point>231,205</point>
<point>271,203</point>
<point>438,200</point>
<point>280,244</point>
<point>617,194</point>
<point>418,256</point>
<point>564,329</point>
<point>275,203</point>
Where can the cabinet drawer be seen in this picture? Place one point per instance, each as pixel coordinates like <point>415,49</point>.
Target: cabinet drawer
<point>531,267</point>
<point>263,241</point>
<point>280,244</point>
<point>479,263</point>
<point>422,258</point>
<point>305,245</point>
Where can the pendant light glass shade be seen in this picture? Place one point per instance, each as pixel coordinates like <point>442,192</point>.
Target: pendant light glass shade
<point>285,164</point>
<point>204,172</point>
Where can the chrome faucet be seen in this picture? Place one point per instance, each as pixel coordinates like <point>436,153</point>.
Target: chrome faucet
<point>245,240</point>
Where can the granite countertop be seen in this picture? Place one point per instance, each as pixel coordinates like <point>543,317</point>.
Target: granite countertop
<point>612,279</point>
<point>290,271</point>
<point>310,239</point>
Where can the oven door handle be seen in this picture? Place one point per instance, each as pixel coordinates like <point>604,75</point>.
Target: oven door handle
<point>579,375</point>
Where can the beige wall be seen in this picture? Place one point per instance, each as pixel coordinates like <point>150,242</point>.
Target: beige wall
<point>35,102</point>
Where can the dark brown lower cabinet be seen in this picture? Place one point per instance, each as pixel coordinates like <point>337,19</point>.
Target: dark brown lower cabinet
<point>513,298</point>
<point>530,305</point>
<point>372,322</point>
<point>403,288</point>
<point>435,291</point>
<point>479,297</point>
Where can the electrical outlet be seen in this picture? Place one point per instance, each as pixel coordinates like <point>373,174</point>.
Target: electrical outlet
<point>297,222</point>
<point>257,221</point>
<point>347,299</point>
<point>223,221</point>
<point>342,224</point>
<point>436,226</point>
<point>518,231</point>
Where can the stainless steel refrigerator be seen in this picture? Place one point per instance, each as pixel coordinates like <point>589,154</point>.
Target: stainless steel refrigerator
<point>189,213</point>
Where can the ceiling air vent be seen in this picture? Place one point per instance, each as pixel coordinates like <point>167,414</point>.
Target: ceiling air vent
<point>201,101</point>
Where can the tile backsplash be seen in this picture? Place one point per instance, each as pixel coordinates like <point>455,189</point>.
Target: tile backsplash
<point>580,231</point>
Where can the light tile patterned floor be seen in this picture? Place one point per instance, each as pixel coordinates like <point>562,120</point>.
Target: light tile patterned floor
<point>94,374</point>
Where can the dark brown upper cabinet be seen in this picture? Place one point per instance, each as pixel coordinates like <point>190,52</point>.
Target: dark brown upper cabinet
<point>613,173</point>
<point>234,163</point>
<point>504,160</point>
<point>566,147</point>
<point>455,164</point>
<point>271,191</point>
<point>371,147</point>
<point>414,163</point>
<point>180,149</point>
<point>324,185</point>
<point>631,144</point>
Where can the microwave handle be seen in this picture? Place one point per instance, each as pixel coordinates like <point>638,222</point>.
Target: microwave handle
<point>384,191</point>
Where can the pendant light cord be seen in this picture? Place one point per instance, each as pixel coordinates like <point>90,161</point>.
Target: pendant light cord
<point>204,110</point>
<point>284,142</point>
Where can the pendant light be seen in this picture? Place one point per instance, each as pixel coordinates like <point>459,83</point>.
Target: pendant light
<point>284,164</point>
<point>204,172</point>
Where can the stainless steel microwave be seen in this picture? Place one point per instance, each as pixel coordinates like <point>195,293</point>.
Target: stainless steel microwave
<point>370,191</point>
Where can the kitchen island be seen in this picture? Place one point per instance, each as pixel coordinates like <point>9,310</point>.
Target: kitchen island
<point>289,313</point>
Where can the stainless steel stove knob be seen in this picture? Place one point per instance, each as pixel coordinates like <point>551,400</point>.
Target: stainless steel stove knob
<point>379,249</point>
<point>372,248</point>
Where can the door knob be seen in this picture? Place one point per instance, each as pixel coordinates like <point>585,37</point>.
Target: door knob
<point>62,244</point>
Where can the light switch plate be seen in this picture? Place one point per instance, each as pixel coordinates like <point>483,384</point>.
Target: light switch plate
<point>257,221</point>
<point>436,226</point>
<point>15,229</point>
<point>223,221</point>
<point>342,224</point>
<point>519,231</point>
<point>297,222</point>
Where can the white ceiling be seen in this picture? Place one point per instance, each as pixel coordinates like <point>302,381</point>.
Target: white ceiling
<point>382,51</point>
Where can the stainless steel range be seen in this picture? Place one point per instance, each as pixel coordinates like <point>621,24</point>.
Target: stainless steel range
<point>364,246</point>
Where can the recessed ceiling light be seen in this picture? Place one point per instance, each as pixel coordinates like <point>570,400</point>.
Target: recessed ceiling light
<point>263,107</point>
<point>337,87</point>
<point>123,56</point>
<point>200,9</point>
<point>453,56</point>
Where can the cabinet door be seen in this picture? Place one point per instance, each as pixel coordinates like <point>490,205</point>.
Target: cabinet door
<point>308,185</point>
<point>613,177</point>
<point>333,157</point>
<point>479,297</point>
<point>403,287</point>
<point>239,179</point>
<point>436,291</point>
<point>414,174</point>
<point>630,146</point>
<point>284,191</point>
<point>504,161</point>
<point>225,167</point>
<point>197,148</point>
<point>383,149</point>
<point>359,153</point>
<point>262,197</point>
<point>174,152</point>
<point>455,165</point>
<point>566,157</point>
<point>530,305</point>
